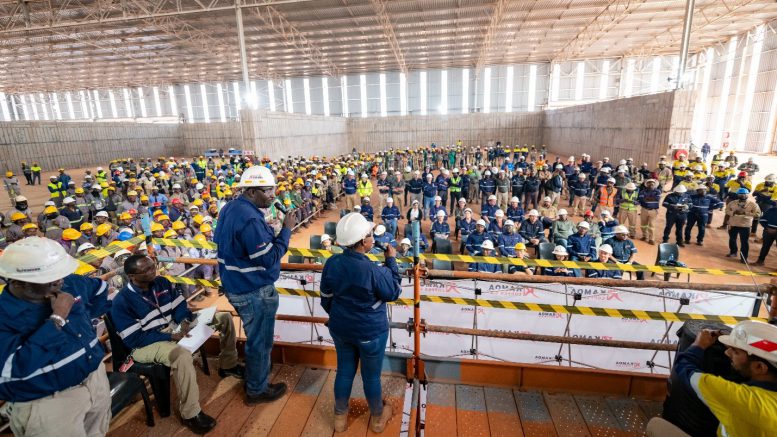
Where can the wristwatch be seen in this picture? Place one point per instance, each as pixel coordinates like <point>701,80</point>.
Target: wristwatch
<point>58,320</point>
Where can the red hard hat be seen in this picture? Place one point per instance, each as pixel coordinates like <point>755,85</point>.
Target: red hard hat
<point>589,213</point>
<point>742,174</point>
<point>176,201</point>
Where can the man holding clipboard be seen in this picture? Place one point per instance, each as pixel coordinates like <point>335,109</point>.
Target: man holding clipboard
<point>151,317</point>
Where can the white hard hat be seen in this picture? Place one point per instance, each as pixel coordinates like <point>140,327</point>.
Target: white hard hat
<point>436,198</point>
<point>770,178</point>
<point>610,180</point>
<point>560,250</point>
<point>379,230</point>
<point>488,244</point>
<point>462,200</point>
<point>581,176</point>
<point>99,168</point>
<point>350,173</point>
<point>480,222</point>
<point>257,176</point>
<point>515,199</point>
<point>177,186</point>
<point>102,214</point>
<point>429,176</point>
<point>408,169</point>
<point>455,170</point>
<point>546,199</point>
<point>364,175</point>
<point>325,237</point>
<point>487,173</point>
<point>509,223</point>
<point>562,211</point>
<point>389,200</point>
<point>199,186</point>
<point>680,189</point>
<point>366,198</point>
<point>605,212</point>
<point>36,260</point>
<point>406,241</point>
<point>20,199</point>
<point>606,248</point>
<point>440,213</point>
<point>121,253</point>
<point>499,213</point>
<point>605,170</point>
<point>68,199</point>
<point>534,213</point>
<point>631,186</point>
<point>85,247</point>
<point>620,229</point>
<point>491,197</point>
<point>755,338</point>
<point>584,224</point>
<point>352,228</point>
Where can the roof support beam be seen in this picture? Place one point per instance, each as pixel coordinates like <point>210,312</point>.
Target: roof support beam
<point>611,16</point>
<point>488,39</point>
<point>388,30</point>
<point>292,37</point>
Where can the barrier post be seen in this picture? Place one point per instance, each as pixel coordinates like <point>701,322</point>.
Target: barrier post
<point>415,364</point>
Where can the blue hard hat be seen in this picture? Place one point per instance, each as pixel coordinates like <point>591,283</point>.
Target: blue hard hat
<point>125,234</point>
<point>743,191</point>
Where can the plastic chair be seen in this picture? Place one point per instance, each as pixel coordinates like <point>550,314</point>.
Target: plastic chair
<point>545,251</point>
<point>331,229</point>
<point>124,390</point>
<point>442,245</point>
<point>315,242</point>
<point>666,252</point>
<point>157,374</point>
<point>438,264</point>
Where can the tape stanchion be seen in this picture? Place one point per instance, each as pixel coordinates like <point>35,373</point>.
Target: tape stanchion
<point>663,316</point>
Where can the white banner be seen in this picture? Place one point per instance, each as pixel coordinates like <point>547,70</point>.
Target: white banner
<point>454,345</point>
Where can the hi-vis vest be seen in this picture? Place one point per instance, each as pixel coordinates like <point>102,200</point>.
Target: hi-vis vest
<point>606,199</point>
<point>629,201</point>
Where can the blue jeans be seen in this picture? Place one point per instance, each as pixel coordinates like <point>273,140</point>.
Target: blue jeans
<point>257,311</point>
<point>349,354</point>
<point>428,204</point>
<point>391,226</point>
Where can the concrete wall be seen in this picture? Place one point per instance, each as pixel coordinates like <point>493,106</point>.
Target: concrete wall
<point>199,137</point>
<point>69,145</point>
<point>377,133</point>
<point>637,127</point>
<point>277,134</point>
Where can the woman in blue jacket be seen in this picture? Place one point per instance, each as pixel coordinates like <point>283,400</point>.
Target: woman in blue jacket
<point>354,292</point>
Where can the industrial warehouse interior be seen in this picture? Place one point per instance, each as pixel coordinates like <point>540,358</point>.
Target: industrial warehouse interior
<point>400,217</point>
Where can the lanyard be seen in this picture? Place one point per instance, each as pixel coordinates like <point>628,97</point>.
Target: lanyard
<point>154,304</point>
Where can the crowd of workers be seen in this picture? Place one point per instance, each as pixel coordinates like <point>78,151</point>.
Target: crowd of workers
<point>520,196</point>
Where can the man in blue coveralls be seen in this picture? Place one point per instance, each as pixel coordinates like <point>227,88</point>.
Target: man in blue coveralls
<point>249,257</point>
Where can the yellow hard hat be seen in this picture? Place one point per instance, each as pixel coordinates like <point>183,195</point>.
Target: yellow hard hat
<point>200,238</point>
<point>143,197</point>
<point>17,216</point>
<point>50,210</point>
<point>197,202</point>
<point>86,227</point>
<point>179,225</point>
<point>125,216</point>
<point>197,219</point>
<point>9,174</point>
<point>104,184</point>
<point>79,190</point>
<point>205,227</point>
<point>70,234</point>
<point>157,227</point>
<point>29,226</point>
<point>103,229</point>
<point>170,233</point>
<point>193,181</point>
<point>520,246</point>
<point>157,213</point>
<point>163,217</point>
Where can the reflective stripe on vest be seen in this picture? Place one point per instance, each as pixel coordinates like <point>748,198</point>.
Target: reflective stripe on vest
<point>629,203</point>
<point>606,199</point>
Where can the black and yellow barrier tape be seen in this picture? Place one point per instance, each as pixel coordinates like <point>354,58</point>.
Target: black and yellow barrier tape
<point>520,306</point>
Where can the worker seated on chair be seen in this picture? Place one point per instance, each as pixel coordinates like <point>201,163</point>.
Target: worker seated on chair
<point>561,254</point>
<point>605,256</point>
<point>383,239</point>
<point>488,250</point>
<point>623,249</point>
<point>440,227</point>
<point>146,313</point>
<point>522,254</point>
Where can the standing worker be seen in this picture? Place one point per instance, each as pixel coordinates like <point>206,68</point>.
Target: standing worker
<point>354,292</point>
<point>249,256</point>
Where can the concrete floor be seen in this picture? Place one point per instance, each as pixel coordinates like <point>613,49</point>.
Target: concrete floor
<point>712,255</point>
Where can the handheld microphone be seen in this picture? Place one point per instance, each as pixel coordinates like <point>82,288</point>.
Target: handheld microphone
<point>279,206</point>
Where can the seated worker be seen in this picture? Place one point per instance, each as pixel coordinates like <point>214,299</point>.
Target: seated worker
<point>747,409</point>
<point>488,250</point>
<point>605,256</point>
<point>366,209</point>
<point>582,245</point>
<point>508,239</point>
<point>146,312</point>
<point>560,252</point>
<point>623,249</point>
<point>476,238</point>
<point>464,227</point>
<point>54,382</point>
<point>423,243</point>
<point>383,239</point>
<point>562,228</point>
<point>532,230</point>
<point>440,227</point>
<point>522,254</point>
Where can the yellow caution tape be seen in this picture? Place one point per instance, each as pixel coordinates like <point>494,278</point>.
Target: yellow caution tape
<point>520,306</point>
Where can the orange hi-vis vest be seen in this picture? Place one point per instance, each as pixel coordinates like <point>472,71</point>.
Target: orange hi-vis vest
<point>607,200</point>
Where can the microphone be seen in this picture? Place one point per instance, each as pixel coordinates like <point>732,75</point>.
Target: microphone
<point>279,206</point>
